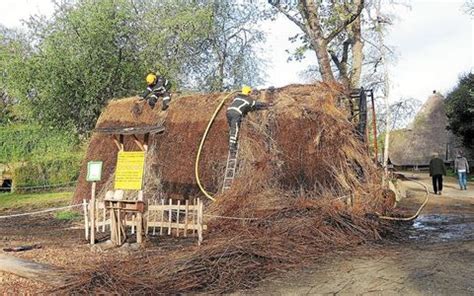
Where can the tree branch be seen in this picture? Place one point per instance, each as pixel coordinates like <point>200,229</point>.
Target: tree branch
<point>347,22</point>
<point>288,15</point>
<point>345,50</point>
<point>335,59</point>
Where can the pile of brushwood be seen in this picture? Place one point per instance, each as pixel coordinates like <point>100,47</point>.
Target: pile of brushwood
<point>299,162</point>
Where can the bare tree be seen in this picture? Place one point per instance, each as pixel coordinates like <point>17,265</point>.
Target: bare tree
<point>333,30</point>
<point>403,112</point>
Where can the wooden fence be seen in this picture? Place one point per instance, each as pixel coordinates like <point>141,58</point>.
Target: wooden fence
<point>161,217</point>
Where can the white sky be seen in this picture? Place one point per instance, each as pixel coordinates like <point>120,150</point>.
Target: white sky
<point>434,41</point>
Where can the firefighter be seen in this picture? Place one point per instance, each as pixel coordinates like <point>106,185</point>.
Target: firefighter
<point>239,107</point>
<point>157,86</point>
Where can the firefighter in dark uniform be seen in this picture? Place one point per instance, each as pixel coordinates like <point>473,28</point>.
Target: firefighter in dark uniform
<point>157,86</point>
<point>240,106</point>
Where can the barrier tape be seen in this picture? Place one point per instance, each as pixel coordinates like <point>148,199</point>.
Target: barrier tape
<point>40,212</point>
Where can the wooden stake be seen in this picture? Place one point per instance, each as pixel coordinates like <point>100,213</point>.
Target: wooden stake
<point>162,215</point>
<point>177,219</point>
<point>170,212</point>
<point>119,226</point>
<point>186,211</point>
<point>86,218</point>
<point>200,213</point>
<point>93,216</point>
<point>113,231</point>
<point>133,224</point>
<point>139,228</point>
<point>194,217</point>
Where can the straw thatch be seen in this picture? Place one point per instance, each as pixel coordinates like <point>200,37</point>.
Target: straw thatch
<point>298,162</point>
<point>426,135</point>
<point>300,138</point>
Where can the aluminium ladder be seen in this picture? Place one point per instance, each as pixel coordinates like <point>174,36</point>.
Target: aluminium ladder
<point>230,168</point>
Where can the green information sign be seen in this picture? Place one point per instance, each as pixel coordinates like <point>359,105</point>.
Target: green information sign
<point>94,171</point>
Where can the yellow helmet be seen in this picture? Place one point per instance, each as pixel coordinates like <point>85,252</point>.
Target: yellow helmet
<point>246,90</point>
<point>150,78</point>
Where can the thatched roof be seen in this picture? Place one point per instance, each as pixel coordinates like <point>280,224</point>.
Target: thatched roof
<point>427,134</point>
<point>304,141</point>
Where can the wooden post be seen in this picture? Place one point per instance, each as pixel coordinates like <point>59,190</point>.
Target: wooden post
<point>186,211</point>
<point>162,215</point>
<point>200,213</point>
<point>177,219</point>
<point>169,214</point>
<point>119,227</point>
<point>139,227</point>
<point>86,218</point>
<point>195,212</point>
<point>93,217</point>
<point>113,231</point>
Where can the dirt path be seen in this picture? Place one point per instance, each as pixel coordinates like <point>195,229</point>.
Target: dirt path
<point>436,257</point>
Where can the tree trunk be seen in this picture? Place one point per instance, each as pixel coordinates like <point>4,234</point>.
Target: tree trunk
<point>321,49</point>
<point>386,92</point>
<point>357,53</point>
<point>320,45</point>
<point>220,79</point>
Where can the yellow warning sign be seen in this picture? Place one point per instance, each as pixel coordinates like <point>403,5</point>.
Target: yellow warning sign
<point>129,171</point>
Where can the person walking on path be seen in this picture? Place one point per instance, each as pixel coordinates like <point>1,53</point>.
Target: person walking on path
<point>461,167</point>
<point>437,170</point>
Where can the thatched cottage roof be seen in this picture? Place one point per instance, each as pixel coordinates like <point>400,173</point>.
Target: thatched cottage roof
<point>303,141</point>
<point>427,134</point>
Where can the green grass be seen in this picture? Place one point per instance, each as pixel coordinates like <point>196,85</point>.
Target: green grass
<point>67,215</point>
<point>29,201</point>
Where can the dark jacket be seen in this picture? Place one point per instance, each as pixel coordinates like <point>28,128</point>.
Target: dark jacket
<point>161,86</point>
<point>437,167</point>
<point>243,104</point>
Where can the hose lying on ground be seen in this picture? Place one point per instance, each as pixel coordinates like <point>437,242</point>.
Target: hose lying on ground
<point>427,195</point>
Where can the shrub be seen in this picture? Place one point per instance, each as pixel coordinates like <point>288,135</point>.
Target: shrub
<point>61,169</point>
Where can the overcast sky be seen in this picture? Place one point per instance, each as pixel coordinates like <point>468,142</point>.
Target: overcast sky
<point>434,41</point>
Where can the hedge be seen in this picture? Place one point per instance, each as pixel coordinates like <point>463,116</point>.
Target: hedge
<point>62,169</point>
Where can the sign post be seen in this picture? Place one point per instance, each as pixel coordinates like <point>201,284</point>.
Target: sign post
<point>129,176</point>
<point>94,174</point>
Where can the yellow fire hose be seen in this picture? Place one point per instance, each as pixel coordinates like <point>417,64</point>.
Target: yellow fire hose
<point>203,139</point>
<point>427,194</point>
